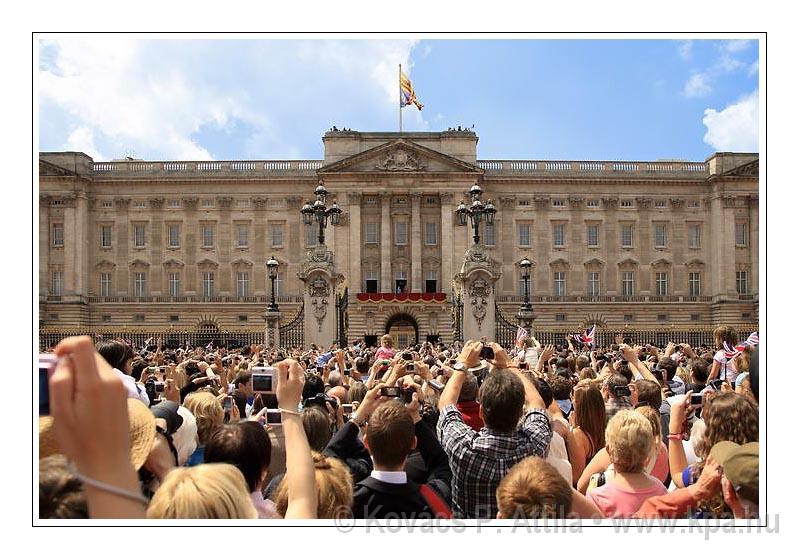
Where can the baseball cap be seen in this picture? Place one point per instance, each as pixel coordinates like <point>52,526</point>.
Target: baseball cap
<point>740,464</point>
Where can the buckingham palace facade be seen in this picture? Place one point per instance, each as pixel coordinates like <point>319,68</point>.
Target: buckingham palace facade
<point>180,245</point>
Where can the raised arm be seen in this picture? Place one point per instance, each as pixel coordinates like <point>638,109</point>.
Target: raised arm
<point>300,475</point>
<point>677,455</point>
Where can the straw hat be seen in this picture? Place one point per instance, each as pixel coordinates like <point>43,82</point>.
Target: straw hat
<point>142,425</point>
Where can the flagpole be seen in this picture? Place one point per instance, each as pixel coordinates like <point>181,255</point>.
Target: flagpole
<point>400,94</point>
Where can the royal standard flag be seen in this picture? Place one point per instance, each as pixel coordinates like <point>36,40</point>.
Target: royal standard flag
<point>407,93</point>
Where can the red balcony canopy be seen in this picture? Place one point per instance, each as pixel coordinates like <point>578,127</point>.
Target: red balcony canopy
<point>405,297</point>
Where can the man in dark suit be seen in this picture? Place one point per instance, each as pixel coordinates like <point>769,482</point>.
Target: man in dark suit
<point>393,431</point>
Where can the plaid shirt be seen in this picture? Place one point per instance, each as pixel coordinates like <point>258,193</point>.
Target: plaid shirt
<point>616,404</point>
<point>480,460</point>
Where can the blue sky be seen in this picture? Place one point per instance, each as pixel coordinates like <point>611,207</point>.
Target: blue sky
<point>273,99</point>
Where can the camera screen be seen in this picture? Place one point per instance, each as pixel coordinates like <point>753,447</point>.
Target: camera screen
<point>407,356</point>
<point>273,417</point>
<point>262,382</point>
<point>697,399</point>
<point>159,387</point>
<point>391,392</point>
<point>410,367</point>
<point>227,404</point>
<point>623,391</point>
<point>47,362</point>
<point>487,353</point>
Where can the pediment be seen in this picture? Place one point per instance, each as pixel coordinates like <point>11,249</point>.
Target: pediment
<point>138,263</point>
<point>173,263</point>
<point>400,156</point>
<point>594,262</point>
<point>628,262</point>
<point>749,169</point>
<point>208,263</point>
<point>50,169</point>
<point>242,262</point>
<point>695,263</point>
<point>559,262</point>
<point>660,263</point>
<point>105,264</point>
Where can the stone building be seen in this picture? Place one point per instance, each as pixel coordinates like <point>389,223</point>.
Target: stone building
<point>180,245</point>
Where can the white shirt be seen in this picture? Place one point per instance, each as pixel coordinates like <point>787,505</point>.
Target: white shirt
<point>557,456</point>
<point>134,391</point>
<point>390,477</point>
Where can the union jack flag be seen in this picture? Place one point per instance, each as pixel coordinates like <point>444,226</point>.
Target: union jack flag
<point>522,334</point>
<point>732,351</point>
<point>210,346</point>
<point>752,340</point>
<point>586,337</point>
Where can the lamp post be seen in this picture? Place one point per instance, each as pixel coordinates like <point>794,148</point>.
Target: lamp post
<point>318,211</point>
<point>525,266</point>
<point>272,271</point>
<point>476,212</point>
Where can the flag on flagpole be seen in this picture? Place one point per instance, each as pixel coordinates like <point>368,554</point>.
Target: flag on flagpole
<point>407,95</point>
<point>522,334</point>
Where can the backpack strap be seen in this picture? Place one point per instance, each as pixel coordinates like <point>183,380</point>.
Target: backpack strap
<point>435,502</point>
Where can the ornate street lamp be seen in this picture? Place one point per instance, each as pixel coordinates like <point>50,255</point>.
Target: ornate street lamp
<point>525,267</point>
<point>476,212</point>
<point>272,271</point>
<point>318,211</point>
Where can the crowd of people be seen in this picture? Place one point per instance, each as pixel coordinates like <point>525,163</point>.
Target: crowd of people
<point>470,430</point>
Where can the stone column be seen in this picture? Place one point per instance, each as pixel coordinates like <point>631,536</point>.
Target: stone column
<point>44,246</point>
<point>157,283</point>
<point>122,282</point>
<point>262,244</point>
<point>753,220</point>
<point>609,244</point>
<point>192,242</point>
<point>416,244</point>
<point>576,246</point>
<point>272,332</point>
<point>677,245</point>
<point>386,243</point>
<point>354,209</point>
<point>225,244</point>
<point>478,281</point>
<point>447,233</point>
<point>542,274</point>
<point>319,297</point>
<point>644,245</point>
<point>504,237</point>
<point>727,245</point>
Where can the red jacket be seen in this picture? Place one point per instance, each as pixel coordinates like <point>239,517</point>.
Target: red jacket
<point>469,412</point>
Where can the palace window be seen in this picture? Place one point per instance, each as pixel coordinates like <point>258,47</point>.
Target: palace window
<point>558,203</point>
<point>593,284</point>
<point>139,284</point>
<point>105,237</point>
<point>431,233</point>
<point>524,235</point>
<point>243,284</point>
<point>694,284</point>
<point>741,282</point>
<point>105,284</point>
<point>57,235</point>
<point>207,233</point>
<point>661,283</point>
<point>559,284</point>
<point>138,235</point>
<point>57,283</point>
<point>277,235</point>
<point>627,235</point>
<point>694,236</point>
<point>626,204</point>
<point>173,236</point>
<point>628,285</point>
<point>558,235</point>
<point>401,233</point>
<point>488,234</point>
<point>371,233</point>
<point>208,284</point>
<point>741,234</point>
<point>174,284</point>
<point>661,236</point>
<point>592,235</point>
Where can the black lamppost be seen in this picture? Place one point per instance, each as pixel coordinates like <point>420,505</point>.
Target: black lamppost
<point>272,270</point>
<point>525,266</point>
<point>477,211</point>
<point>318,211</point>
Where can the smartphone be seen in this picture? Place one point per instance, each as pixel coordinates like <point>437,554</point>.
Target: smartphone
<point>227,404</point>
<point>263,378</point>
<point>393,392</point>
<point>347,409</point>
<point>411,367</point>
<point>47,365</point>
<point>436,385</point>
<point>347,371</point>
<point>487,353</point>
<point>274,417</point>
<point>717,384</point>
<point>407,356</point>
<point>697,399</point>
<point>623,391</point>
<point>523,365</point>
<point>159,386</point>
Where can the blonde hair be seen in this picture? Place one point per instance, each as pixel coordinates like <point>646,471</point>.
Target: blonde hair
<point>388,340</point>
<point>213,491</point>
<point>207,411</point>
<point>534,489</point>
<point>654,417</point>
<point>629,439</point>
<point>334,488</point>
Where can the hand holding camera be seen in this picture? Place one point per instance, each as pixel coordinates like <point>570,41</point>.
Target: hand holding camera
<point>289,386</point>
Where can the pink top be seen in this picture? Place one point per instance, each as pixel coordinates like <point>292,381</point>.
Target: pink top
<point>385,353</point>
<point>661,468</point>
<point>266,508</point>
<point>615,501</point>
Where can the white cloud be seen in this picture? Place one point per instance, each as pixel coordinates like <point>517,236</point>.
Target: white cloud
<point>734,128</point>
<point>82,140</point>
<point>697,86</point>
<point>162,97</point>
<point>685,50</point>
<point>753,69</point>
<point>727,63</point>
<point>736,45</point>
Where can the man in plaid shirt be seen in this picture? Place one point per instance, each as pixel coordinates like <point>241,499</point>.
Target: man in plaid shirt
<point>480,460</point>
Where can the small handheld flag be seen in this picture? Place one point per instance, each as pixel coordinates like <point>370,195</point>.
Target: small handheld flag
<point>586,337</point>
<point>732,351</point>
<point>522,334</point>
<point>752,340</point>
